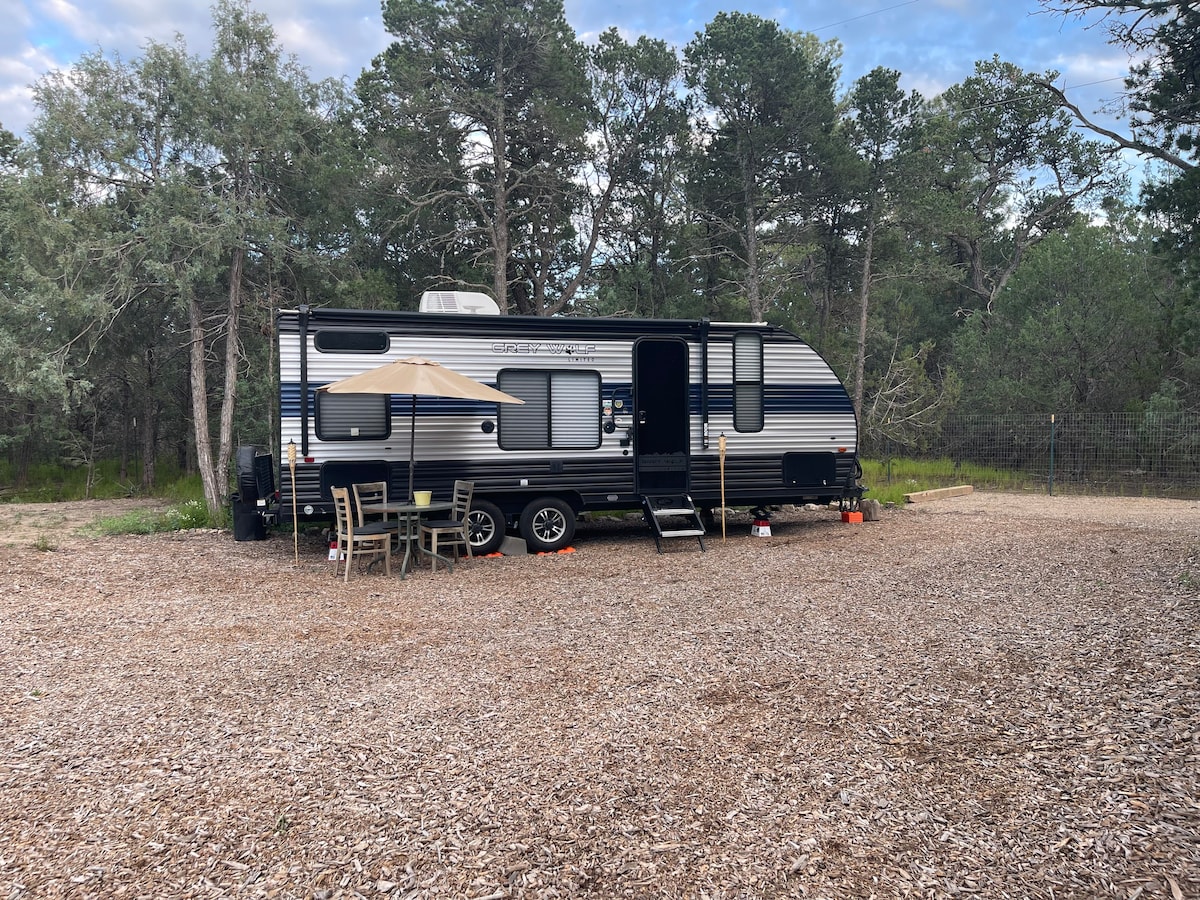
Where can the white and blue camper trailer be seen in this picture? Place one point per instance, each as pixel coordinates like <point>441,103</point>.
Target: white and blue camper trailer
<point>617,412</point>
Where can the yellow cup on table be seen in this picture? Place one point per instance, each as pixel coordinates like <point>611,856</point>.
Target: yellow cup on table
<point>422,498</point>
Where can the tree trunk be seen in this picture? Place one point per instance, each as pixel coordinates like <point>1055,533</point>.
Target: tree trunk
<point>864,300</point>
<point>500,253</point>
<point>753,277</point>
<point>500,235</point>
<point>127,413</point>
<point>148,421</point>
<point>199,384</point>
<point>229,394</point>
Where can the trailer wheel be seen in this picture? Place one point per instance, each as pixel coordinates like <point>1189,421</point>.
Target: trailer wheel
<point>485,527</point>
<point>547,524</point>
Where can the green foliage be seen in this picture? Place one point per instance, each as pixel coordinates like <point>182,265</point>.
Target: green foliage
<point>889,479</point>
<point>52,484</point>
<point>766,123</point>
<point>881,116</point>
<point>48,482</point>
<point>163,208</point>
<point>487,114</point>
<point>1071,331</point>
<point>1003,168</point>
<point>183,489</point>
<point>183,516</point>
<point>906,405</point>
<point>1162,37</point>
<point>55,483</point>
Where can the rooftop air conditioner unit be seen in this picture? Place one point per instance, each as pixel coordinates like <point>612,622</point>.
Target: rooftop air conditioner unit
<point>470,303</point>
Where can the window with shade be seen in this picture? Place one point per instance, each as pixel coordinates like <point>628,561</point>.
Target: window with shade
<point>353,417</point>
<point>747,381</point>
<point>561,410</point>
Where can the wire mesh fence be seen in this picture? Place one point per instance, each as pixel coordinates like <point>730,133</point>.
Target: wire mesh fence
<point>1127,454</point>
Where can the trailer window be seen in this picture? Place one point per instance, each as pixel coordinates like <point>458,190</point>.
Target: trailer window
<point>353,417</point>
<point>747,381</point>
<point>561,411</point>
<point>347,340</point>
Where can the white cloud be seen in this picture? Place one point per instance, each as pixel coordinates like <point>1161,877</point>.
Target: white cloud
<point>928,87</point>
<point>21,65</point>
<point>932,43</point>
<point>1092,66</point>
<point>328,48</point>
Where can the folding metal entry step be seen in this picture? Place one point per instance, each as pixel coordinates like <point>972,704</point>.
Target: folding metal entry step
<point>671,516</point>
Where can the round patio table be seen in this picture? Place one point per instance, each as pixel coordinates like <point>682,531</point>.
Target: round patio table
<point>408,517</point>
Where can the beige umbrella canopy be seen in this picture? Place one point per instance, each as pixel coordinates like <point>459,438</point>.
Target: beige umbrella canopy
<point>418,377</point>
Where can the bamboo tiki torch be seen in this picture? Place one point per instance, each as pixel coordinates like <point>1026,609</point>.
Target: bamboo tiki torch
<point>295,517</point>
<point>721,456</point>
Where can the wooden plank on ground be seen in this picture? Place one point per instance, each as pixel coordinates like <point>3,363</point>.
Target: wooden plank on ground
<point>939,493</point>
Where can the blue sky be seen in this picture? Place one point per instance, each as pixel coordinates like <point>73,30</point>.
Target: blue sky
<point>933,43</point>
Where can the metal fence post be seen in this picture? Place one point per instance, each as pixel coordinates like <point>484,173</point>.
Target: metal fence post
<point>1051,482</point>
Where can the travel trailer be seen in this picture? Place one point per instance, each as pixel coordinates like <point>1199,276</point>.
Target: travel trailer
<point>675,417</point>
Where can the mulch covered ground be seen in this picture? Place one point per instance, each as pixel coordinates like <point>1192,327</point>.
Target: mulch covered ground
<point>995,695</point>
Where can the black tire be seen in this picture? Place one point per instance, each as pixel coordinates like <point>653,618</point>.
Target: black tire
<point>547,524</point>
<point>485,527</point>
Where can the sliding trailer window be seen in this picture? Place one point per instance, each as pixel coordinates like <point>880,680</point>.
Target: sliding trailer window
<point>351,340</point>
<point>747,381</point>
<point>561,410</point>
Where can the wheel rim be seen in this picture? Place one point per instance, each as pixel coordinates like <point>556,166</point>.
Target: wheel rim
<point>480,529</point>
<point>549,525</point>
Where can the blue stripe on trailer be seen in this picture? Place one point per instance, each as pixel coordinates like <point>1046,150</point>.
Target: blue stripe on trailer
<point>401,404</point>
<point>794,399</point>
<point>778,399</point>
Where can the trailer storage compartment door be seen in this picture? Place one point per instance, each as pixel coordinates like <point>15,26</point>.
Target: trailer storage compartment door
<point>810,469</point>
<point>344,473</point>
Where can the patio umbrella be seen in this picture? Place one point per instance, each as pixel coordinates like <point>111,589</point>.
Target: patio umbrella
<point>417,376</point>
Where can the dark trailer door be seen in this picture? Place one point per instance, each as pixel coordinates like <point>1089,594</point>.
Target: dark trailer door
<point>661,425</point>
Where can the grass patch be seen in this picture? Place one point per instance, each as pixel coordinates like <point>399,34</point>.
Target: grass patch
<point>59,484</point>
<point>183,489</point>
<point>887,493</point>
<point>47,483</point>
<point>890,480</point>
<point>180,517</point>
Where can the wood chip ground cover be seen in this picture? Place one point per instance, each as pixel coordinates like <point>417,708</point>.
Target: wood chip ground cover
<point>994,695</point>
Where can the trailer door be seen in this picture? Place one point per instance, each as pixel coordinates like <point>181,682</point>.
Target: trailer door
<point>661,417</point>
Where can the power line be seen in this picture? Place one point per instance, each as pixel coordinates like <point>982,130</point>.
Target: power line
<point>1090,83</point>
<point>866,15</point>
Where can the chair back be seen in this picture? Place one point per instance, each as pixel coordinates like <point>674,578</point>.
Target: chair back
<point>368,492</point>
<point>341,507</point>
<point>463,490</point>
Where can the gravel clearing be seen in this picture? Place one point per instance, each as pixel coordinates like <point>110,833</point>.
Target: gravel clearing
<point>994,696</point>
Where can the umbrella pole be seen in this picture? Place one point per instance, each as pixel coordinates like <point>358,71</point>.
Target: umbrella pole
<point>412,445</point>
